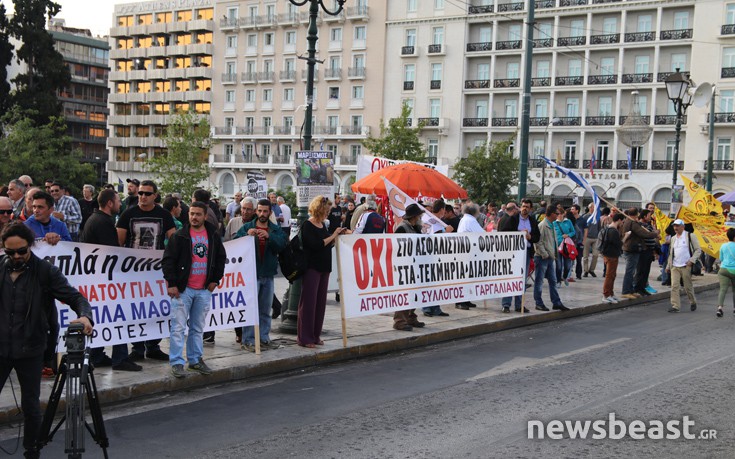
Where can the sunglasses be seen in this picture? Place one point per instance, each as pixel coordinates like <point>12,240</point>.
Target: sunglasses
<point>146,193</point>
<point>6,211</point>
<point>20,251</point>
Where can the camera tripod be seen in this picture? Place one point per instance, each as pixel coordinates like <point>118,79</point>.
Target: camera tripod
<point>78,376</point>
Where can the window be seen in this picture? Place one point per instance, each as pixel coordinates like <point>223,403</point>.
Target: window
<point>570,150</point>
<point>356,121</point>
<point>289,65</point>
<point>572,107</point>
<point>511,108</point>
<point>604,106</point>
<point>250,95</point>
<point>723,149</point>
<point>670,146</point>
<point>483,71</point>
<point>642,64</point>
<point>542,108</point>
<point>253,11</point>
<point>437,35</point>
<point>228,153</point>
<point>360,33</point>
<point>609,26</point>
<point>252,40</point>
<point>355,150</point>
<point>409,72</point>
<point>543,69</point>
<point>335,34</point>
<point>229,97</point>
<point>681,20</point>
<point>730,14</point>
<point>727,101</point>
<point>231,41</point>
<point>288,94</point>
<point>232,15</point>
<point>290,38</point>
<point>512,70</point>
<point>288,122</point>
<point>728,57</point>
<point>575,67</point>
<point>334,92</point>
<point>486,34</point>
<point>183,16</point>
<point>544,30</point>
<point>576,28</point>
<point>335,62</point>
<point>267,95</point>
<point>435,108</point>
<point>607,66</point>
<point>358,61</point>
<point>411,37</point>
<point>231,68</point>
<point>229,122</point>
<point>643,104</point>
<point>539,147</point>
<point>438,4</point>
<point>432,148</point>
<point>358,92</point>
<point>644,23</point>
<point>514,32</point>
<point>269,39</point>
<point>603,149</point>
<point>270,12</point>
<point>481,108</point>
<point>411,6</point>
<point>436,72</point>
<point>678,61</point>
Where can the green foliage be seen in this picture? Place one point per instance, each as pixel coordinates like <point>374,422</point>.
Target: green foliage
<point>488,175</point>
<point>42,152</point>
<point>46,74</point>
<point>185,164</point>
<point>6,55</point>
<point>398,140</point>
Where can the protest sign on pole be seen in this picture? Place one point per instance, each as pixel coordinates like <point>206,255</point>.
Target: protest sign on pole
<point>257,185</point>
<point>314,175</point>
<point>393,272</point>
<point>128,295</point>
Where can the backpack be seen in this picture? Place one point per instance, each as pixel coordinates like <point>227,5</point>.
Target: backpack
<point>601,242</point>
<point>292,259</point>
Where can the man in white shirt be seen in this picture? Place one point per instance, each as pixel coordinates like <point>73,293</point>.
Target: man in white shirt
<point>685,251</point>
<point>232,207</point>
<point>286,214</point>
<point>468,223</point>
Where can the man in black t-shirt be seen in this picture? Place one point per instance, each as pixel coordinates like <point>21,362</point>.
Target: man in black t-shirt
<point>146,226</point>
<point>334,216</point>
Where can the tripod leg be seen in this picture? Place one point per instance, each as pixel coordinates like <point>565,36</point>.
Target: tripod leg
<point>99,434</point>
<point>75,412</point>
<point>45,434</point>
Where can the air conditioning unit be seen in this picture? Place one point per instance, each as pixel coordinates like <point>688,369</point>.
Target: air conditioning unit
<point>704,130</point>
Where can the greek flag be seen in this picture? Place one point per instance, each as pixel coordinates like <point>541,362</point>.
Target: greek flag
<point>579,180</point>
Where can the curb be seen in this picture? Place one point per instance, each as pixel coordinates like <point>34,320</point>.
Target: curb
<point>352,352</point>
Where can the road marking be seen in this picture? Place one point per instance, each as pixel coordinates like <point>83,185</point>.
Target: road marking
<point>526,363</point>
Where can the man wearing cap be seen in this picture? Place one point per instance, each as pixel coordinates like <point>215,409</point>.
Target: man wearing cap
<point>407,319</point>
<point>684,252</point>
<point>132,199</point>
<point>370,222</point>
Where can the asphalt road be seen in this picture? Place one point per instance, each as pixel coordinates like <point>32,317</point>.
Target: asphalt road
<point>467,399</point>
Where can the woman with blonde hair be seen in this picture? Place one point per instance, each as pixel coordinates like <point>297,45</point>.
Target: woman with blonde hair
<point>318,245</point>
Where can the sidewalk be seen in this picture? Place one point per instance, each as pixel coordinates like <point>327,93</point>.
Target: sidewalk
<point>367,336</point>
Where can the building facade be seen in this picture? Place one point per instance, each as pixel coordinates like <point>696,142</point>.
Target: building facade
<point>260,88</point>
<point>161,61</point>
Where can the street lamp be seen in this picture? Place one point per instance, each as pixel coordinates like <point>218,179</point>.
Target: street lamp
<point>677,87</point>
<point>290,315</point>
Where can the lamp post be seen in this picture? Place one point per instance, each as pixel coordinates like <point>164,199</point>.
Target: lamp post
<point>290,315</point>
<point>677,88</point>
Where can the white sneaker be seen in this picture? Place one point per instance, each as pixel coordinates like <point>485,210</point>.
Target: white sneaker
<point>617,300</point>
<point>610,300</point>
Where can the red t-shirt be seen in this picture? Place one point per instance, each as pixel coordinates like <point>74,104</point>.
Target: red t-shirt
<point>199,252</point>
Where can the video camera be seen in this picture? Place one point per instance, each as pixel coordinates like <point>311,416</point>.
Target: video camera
<point>76,340</point>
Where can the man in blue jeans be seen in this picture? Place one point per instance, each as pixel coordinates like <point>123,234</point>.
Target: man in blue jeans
<point>193,264</point>
<point>269,241</point>
<point>513,220</point>
<point>544,260</point>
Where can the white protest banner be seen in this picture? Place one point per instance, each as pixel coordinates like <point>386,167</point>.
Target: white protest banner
<point>128,294</point>
<point>400,200</point>
<point>367,164</point>
<point>392,272</point>
<point>257,185</point>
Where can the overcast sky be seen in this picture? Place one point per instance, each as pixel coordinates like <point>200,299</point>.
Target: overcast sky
<point>95,15</point>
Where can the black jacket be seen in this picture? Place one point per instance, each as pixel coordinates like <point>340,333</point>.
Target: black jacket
<point>176,263</point>
<point>46,284</point>
<point>508,223</point>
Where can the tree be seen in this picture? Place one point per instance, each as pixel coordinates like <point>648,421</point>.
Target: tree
<point>184,165</point>
<point>398,140</point>
<point>41,151</point>
<point>488,173</point>
<point>46,72</point>
<point>6,56</point>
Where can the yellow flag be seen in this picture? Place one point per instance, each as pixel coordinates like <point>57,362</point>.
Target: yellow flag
<point>662,222</point>
<point>558,156</point>
<point>710,238</point>
<point>691,186</point>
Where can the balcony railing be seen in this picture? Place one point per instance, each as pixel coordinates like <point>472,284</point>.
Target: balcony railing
<point>721,165</point>
<point>265,76</point>
<point>541,81</point>
<point>727,29</point>
<point>544,4</point>
<point>637,78</point>
<point>571,41</point>
<point>515,6</point>
<point>505,122</point>
<point>605,39</point>
<point>408,51</point>
<point>723,118</point>
<point>305,74</point>
<point>637,165</point>
<point>480,9</point>
<point>678,34</point>
<point>507,83</point>
<point>228,22</point>
<point>602,79</point>
<point>646,119</point>
<point>640,36</point>
<point>477,84</point>
<point>285,75</point>
<point>229,78</point>
<point>666,165</point>
<point>481,46</point>
<point>607,164</point>
<point>537,163</point>
<point>429,122</point>
<point>332,73</point>
<point>539,121</point>
<point>408,85</point>
<point>352,130</point>
<point>360,11</point>
<point>543,43</point>
<point>435,84</point>
<point>348,160</point>
<point>600,121</point>
<point>727,72</point>
<point>281,158</point>
<point>569,163</point>
<point>356,72</point>
<point>250,77</point>
<point>595,2</point>
<point>430,160</point>
<point>572,2</point>
<point>663,76</point>
<point>668,119</point>
<point>508,44</point>
<point>474,122</point>
<point>569,121</point>
<point>569,80</point>
<point>435,48</point>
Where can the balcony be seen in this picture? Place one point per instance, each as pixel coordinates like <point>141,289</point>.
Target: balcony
<point>727,72</point>
<point>539,121</point>
<point>721,165</point>
<point>541,82</point>
<point>607,164</point>
<point>569,80</point>
<point>250,21</point>
<point>639,36</point>
<point>571,41</point>
<point>543,43</point>
<point>351,130</point>
<point>537,163</point>
<point>357,12</point>
<point>408,85</point>
<point>539,4</point>
<point>636,165</point>
<point>597,2</point>
<point>356,72</point>
<point>507,83</point>
<point>477,84</point>
<point>269,20</point>
<point>229,78</point>
<point>599,121</point>
<point>281,158</point>
<point>666,165</point>
<point>228,23</point>
<point>637,78</point>
<point>435,84</point>
<point>409,51</point>
<point>305,75</point>
<point>429,122</point>
<point>723,118</point>
<point>481,46</point>
<point>646,119</point>
<point>661,77</point>
<point>333,74</point>
<point>436,49</point>
<point>605,39</point>
<point>266,77</point>
<point>727,29</point>
<point>569,121</point>
<point>505,122</point>
<point>480,9</point>
<point>678,34</point>
<point>602,79</point>
<point>347,160</point>
<point>287,19</point>
<point>474,122</point>
<point>572,2</point>
<point>249,77</point>
<point>569,163</point>
<point>505,7</point>
<point>509,44</point>
<point>287,75</point>
<point>668,119</point>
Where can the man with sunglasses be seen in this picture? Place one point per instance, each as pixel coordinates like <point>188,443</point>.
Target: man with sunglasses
<point>6,211</point>
<point>146,226</point>
<point>29,288</point>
